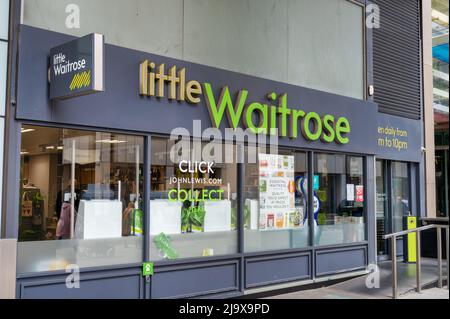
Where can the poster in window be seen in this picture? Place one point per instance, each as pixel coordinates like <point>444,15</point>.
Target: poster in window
<point>277,193</point>
<point>359,194</point>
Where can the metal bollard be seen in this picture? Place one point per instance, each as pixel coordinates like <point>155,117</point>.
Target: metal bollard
<point>394,266</point>
<point>418,266</point>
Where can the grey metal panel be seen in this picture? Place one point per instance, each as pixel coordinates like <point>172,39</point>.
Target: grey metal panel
<point>397,58</point>
<point>415,202</point>
<point>370,208</point>
<point>269,270</point>
<point>112,284</point>
<point>334,261</point>
<point>369,55</point>
<point>310,204</point>
<point>8,258</point>
<point>421,188</point>
<point>240,211</point>
<point>193,280</point>
<point>11,176</point>
<point>147,190</point>
<point>11,196</point>
<point>182,262</point>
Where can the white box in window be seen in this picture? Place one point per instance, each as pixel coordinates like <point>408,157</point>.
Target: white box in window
<point>253,206</point>
<point>98,219</point>
<point>217,216</point>
<point>165,217</point>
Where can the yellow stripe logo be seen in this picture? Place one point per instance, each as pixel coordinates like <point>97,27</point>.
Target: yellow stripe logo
<point>80,80</point>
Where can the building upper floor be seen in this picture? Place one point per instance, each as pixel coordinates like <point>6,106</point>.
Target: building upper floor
<point>345,47</point>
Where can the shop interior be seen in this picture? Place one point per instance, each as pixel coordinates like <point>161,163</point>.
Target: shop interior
<point>101,170</point>
<point>181,225</point>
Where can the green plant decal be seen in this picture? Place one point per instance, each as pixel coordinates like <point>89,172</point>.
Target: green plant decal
<point>246,217</point>
<point>192,218</point>
<point>164,245</point>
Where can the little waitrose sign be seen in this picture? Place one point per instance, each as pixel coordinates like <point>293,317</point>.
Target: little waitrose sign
<point>76,67</point>
<point>260,117</point>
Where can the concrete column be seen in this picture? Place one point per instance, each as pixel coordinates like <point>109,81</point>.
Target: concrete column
<point>428,110</point>
<point>8,254</point>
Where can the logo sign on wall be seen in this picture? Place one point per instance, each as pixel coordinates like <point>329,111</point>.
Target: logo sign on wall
<point>77,67</point>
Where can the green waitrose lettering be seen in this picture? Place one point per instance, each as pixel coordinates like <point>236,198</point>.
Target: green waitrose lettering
<point>312,126</point>
<point>259,117</point>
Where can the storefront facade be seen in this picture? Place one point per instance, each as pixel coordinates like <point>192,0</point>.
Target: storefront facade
<point>147,170</point>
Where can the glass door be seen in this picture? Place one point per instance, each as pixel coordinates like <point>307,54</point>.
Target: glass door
<point>393,201</point>
<point>400,194</point>
<point>442,182</point>
<point>382,212</point>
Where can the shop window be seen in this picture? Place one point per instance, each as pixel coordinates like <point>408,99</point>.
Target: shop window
<point>3,75</point>
<point>275,213</point>
<point>339,197</point>
<point>4,18</point>
<point>80,199</point>
<point>193,209</point>
<point>400,194</point>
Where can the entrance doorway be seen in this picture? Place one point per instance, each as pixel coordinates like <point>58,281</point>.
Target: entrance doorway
<point>442,181</point>
<point>393,201</point>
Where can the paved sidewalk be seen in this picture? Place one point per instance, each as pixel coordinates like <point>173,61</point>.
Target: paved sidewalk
<point>356,288</point>
<point>433,293</point>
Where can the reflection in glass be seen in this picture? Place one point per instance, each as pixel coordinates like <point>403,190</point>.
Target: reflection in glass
<point>442,182</point>
<point>4,19</point>
<point>339,200</point>
<point>81,199</point>
<point>381,206</point>
<point>193,209</point>
<point>275,212</point>
<point>400,194</point>
<point>3,70</point>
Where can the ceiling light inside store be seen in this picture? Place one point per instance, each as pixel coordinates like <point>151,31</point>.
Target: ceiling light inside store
<point>109,141</point>
<point>60,148</point>
<point>27,130</point>
<point>24,153</point>
<point>50,147</point>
